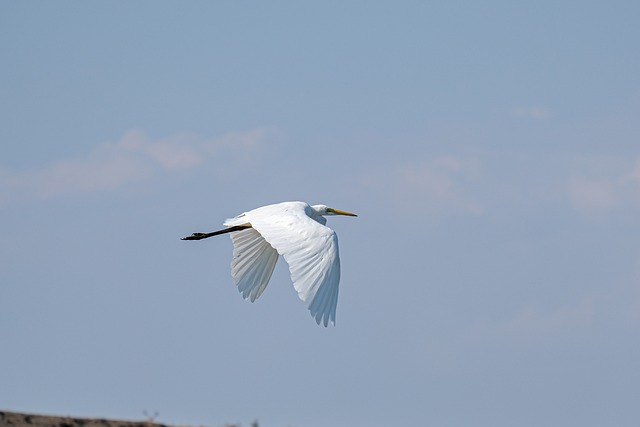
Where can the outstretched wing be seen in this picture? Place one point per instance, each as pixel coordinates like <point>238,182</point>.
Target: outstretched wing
<point>310,249</point>
<point>253,262</point>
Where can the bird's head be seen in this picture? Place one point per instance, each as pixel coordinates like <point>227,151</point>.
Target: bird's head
<point>326,210</point>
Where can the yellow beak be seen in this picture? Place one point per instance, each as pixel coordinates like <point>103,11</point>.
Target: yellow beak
<point>339,212</point>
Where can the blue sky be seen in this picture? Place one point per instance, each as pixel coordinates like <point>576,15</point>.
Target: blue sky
<point>491,150</point>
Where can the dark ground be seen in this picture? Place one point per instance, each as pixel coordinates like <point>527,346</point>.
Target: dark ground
<point>16,419</point>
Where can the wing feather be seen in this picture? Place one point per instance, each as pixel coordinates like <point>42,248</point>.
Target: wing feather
<point>310,249</point>
<point>253,263</point>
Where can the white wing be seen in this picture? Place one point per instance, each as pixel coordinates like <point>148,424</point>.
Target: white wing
<point>310,249</point>
<point>253,262</point>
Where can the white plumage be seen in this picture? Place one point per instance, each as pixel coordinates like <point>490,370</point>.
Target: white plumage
<point>296,231</point>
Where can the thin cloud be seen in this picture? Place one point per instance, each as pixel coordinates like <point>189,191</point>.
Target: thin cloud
<point>435,185</point>
<point>592,195</point>
<point>135,157</point>
<point>531,112</point>
<point>603,186</point>
<point>632,177</point>
<point>532,322</point>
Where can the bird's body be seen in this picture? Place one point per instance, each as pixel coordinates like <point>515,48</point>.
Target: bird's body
<point>296,231</point>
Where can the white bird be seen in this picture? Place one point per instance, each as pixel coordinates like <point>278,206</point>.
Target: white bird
<point>296,231</point>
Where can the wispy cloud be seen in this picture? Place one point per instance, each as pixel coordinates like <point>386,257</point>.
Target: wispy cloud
<point>435,185</point>
<point>590,195</point>
<point>601,186</point>
<point>532,322</point>
<point>531,112</point>
<point>134,157</point>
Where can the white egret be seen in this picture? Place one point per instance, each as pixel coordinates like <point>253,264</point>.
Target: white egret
<point>296,231</point>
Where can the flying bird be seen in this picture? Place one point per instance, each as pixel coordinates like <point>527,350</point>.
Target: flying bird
<point>297,231</point>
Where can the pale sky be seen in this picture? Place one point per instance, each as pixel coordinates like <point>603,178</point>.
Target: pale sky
<point>491,150</point>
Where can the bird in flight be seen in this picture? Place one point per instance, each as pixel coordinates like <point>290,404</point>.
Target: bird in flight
<point>297,231</point>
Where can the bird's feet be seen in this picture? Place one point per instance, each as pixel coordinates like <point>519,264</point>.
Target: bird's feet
<point>194,236</point>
